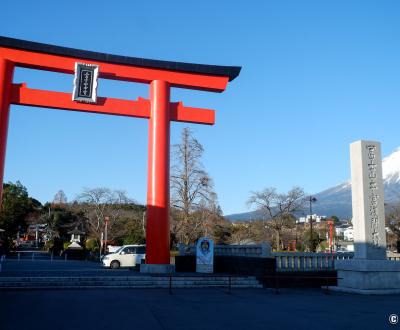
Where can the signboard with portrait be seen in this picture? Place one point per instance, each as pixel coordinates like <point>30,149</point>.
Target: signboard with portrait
<point>205,255</point>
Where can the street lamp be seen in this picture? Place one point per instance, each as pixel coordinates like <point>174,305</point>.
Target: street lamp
<point>312,200</point>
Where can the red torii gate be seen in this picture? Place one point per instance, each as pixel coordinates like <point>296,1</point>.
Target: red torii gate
<point>161,75</point>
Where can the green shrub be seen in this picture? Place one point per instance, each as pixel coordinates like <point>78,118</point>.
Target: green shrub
<point>92,245</point>
<point>133,239</point>
<point>323,246</point>
<point>66,244</point>
<point>49,245</point>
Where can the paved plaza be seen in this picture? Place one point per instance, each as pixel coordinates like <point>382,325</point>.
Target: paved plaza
<point>207,308</point>
<point>193,309</point>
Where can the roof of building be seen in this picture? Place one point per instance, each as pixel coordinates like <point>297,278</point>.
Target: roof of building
<point>217,70</point>
<point>74,245</point>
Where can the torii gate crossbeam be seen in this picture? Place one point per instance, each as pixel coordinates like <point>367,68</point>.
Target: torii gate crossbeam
<point>160,75</point>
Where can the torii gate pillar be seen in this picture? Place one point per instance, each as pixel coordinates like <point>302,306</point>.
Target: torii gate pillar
<point>157,230</point>
<point>6,74</point>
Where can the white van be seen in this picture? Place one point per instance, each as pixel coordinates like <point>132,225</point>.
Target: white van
<point>125,256</point>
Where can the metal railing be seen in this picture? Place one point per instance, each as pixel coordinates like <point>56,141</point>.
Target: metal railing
<point>34,255</point>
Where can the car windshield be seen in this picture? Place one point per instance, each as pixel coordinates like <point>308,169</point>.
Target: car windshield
<point>118,250</point>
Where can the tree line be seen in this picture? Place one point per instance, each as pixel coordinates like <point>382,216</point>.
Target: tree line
<point>194,208</point>
<point>194,212</point>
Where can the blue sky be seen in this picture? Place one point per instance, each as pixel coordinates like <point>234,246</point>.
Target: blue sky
<point>316,76</point>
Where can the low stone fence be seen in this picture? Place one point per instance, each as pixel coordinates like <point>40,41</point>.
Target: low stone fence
<point>285,261</point>
<point>307,261</point>
<point>393,256</point>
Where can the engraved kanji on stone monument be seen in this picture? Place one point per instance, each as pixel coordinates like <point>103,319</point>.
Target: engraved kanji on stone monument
<point>368,200</point>
<point>85,83</point>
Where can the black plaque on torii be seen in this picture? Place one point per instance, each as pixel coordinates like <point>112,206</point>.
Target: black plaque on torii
<point>85,83</point>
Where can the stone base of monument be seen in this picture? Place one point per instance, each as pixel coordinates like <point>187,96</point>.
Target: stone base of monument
<point>157,269</point>
<point>364,276</point>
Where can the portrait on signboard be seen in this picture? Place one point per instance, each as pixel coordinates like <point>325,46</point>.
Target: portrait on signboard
<point>205,247</point>
<point>204,255</point>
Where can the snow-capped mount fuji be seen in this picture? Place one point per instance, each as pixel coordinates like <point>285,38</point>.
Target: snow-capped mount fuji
<point>391,168</point>
<point>337,200</point>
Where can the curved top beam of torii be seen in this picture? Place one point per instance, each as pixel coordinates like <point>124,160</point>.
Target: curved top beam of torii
<point>61,59</point>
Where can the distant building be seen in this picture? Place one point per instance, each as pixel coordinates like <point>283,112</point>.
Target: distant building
<point>348,234</point>
<point>316,218</point>
<point>345,247</point>
<point>345,238</point>
<point>341,229</point>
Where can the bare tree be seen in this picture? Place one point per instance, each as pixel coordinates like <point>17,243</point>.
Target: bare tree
<point>60,198</point>
<point>241,233</point>
<point>99,203</point>
<point>393,222</point>
<point>191,187</point>
<point>277,209</point>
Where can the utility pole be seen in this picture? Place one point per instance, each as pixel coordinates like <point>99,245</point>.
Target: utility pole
<point>312,199</point>
<point>330,223</point>
<point>101,244</point>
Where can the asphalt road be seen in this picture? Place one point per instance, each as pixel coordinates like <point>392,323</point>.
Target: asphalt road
<point>120,309</point>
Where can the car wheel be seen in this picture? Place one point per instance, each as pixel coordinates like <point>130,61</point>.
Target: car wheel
<point>114,264</point>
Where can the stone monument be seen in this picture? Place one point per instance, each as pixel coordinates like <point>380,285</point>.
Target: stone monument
<point>369,272</point>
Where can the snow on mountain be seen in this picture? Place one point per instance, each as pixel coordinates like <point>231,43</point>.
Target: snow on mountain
<point>390,174</point>
<point>391,167</point>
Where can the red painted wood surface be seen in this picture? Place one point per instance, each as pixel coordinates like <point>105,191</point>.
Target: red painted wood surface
<point>22,95</point>
<point>157,229</point>
<point>6,74</point>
